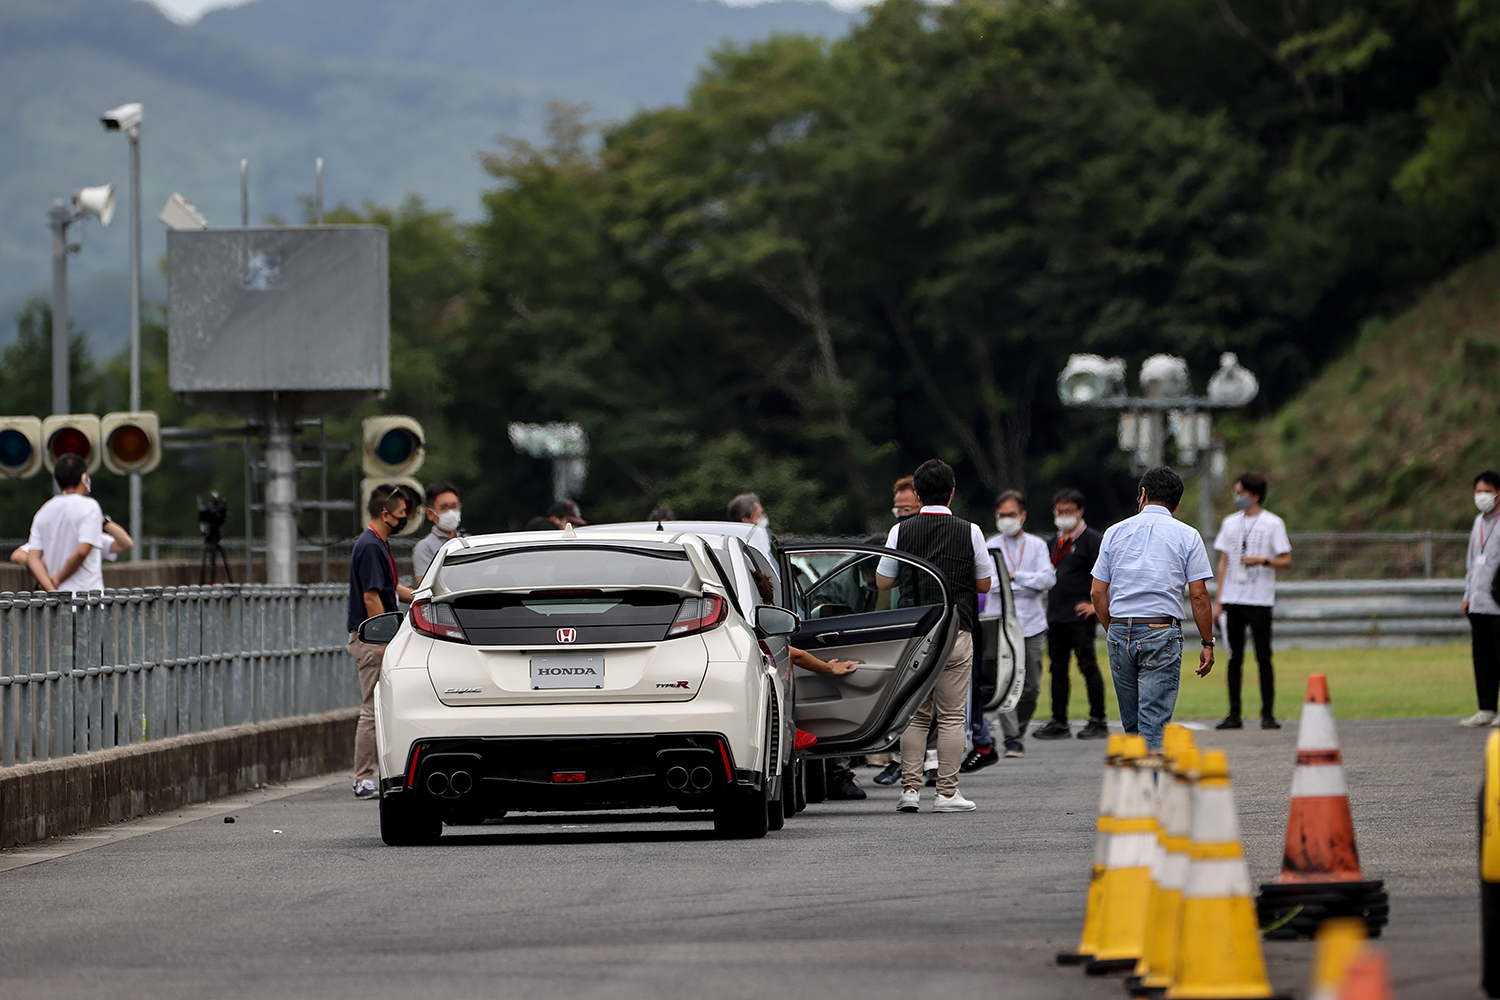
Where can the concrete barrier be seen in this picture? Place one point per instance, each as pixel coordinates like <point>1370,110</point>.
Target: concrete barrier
<point>60,797</point>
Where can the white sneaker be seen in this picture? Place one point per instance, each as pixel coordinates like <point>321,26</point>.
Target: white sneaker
<point>1480,718</point>
<point>365,789</point>
<point>955,803</point>
<point>911,801</point>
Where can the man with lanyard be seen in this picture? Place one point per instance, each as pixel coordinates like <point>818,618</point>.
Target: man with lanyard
<point>1070,619</point>
<point>1144,562</point>
<point>1031,576</point>
<point>1479,604</point>
<point>373,590</point>
<point>1252,546</point>
<point>957,549</point>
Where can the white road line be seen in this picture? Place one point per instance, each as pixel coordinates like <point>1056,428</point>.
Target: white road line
<point>20,857</point>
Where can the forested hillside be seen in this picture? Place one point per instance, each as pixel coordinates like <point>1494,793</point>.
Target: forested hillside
<point>837,258</point>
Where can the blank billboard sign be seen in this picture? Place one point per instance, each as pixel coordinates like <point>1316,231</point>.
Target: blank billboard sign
<point>279,310</point>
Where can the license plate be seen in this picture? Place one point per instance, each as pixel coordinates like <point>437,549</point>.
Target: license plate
<point>567,670</point>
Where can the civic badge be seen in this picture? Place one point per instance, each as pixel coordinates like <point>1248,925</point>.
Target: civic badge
<point>567,635</point>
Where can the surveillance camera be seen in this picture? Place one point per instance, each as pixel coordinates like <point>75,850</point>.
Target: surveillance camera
<point>126,118</point>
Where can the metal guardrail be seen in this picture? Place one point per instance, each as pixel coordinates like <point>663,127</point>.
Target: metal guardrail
<point>1365,613</point>
<point>87,672</point>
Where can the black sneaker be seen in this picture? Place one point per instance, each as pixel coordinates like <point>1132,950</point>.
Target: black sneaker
<point>1097,729</point>
<point>1269,723</point>
<point>1231,722</point>
<point>846,789</point>
<point>978,757</point>
<point>1052,730</point>
<point>1015,748</point>
<point>929,778</point>
<point>890,775</point>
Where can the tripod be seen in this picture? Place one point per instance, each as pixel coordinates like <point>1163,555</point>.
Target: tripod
<point>211,549</point>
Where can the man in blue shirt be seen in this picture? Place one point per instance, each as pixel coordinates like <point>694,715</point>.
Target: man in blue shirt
<point>1144,562</point>
<point>373,590</point>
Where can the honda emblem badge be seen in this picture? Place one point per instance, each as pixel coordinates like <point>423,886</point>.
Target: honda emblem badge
<point>567,635</point>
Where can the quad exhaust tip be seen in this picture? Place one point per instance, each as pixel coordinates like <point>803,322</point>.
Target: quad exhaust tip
<point>677,778</point>
<point>702,777</point>
<point>460,782</point>
<point>437,783</point>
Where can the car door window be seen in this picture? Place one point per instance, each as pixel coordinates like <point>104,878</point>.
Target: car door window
<point>894,635</point>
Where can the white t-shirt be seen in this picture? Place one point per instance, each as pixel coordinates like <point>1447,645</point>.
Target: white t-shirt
<point>1031,576</point>
<point>1262,535</point>
<point>65,522</point>
<point>107,550</point>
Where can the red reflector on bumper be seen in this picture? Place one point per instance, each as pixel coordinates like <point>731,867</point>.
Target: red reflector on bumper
<point>564,777</point>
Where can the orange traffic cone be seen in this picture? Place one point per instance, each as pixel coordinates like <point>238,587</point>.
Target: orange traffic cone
<point>1159,964</point>
<point>1369,977</point>
<point>1219,955</point>
<point>1088,943</point>
<point>1127,874</point>
<point>1320,870</point>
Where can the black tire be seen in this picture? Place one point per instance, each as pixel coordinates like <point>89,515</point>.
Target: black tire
<point>742,814</point>
<point>799,783</point>
<point>817,780</point>
<point>405,823</point>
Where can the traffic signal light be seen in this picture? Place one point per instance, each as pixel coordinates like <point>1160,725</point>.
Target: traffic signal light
<point>394,446</point>
<point>20,447</point>
<point>74,434</point>
<point>414,516</point>
<point>132,442</point>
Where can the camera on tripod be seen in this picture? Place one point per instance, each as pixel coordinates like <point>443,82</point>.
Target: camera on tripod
<point>211,518</point>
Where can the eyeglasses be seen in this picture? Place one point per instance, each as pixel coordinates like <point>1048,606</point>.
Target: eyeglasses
<point>904,511</point>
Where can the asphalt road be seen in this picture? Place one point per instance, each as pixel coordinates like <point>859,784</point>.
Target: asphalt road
<point>850,900</point>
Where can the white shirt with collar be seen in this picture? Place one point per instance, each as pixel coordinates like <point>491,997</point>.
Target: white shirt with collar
<point>1479,567</point>
<point>1031,576</point>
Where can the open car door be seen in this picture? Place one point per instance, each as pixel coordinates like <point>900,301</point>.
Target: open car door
<point>900,641</point>
<point>1001,663</point>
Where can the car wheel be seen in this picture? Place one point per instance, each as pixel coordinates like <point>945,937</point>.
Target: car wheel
<point>742,814</point>
<point>817,780</point>
<point>404,823</point>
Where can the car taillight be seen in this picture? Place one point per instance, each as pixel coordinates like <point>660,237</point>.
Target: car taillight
<point>437,620</point>
<point>699,614</point>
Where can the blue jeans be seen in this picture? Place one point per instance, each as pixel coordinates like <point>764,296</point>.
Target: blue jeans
<point>1146,663</point>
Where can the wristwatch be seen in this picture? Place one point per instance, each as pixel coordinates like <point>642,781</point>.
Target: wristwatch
<point>1207,643</point>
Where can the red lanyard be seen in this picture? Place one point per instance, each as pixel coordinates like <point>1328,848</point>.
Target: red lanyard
<point>388,554</point>
<point>1005,551</point>
<point>1065,545</point>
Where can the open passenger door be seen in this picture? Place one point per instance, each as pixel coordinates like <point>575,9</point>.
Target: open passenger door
<point>901,640</point>
<point>1002,649</point>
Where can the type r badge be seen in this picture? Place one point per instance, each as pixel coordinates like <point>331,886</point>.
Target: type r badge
<point>567,635</point>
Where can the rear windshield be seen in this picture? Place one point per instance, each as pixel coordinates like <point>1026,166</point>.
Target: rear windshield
<point>582,567</point>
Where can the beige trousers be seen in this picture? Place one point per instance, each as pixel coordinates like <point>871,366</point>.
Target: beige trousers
<point>949,701</point>
<point>368,656</point>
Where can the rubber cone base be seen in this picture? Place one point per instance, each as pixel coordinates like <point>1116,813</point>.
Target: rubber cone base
<point>1110,966</point>
<point>1072,958</point>
<point>1296,909</point>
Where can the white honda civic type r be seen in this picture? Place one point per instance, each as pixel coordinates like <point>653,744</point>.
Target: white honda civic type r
<point>641,666</point>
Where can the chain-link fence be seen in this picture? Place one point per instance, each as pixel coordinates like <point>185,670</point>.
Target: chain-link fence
<point>104,669</point>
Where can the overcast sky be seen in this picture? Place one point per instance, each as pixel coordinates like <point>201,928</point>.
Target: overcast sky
<point>186,11</point>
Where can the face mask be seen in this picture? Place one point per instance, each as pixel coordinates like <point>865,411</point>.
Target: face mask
<point>763,522</point>
<point>1485,502</point>
<point>400,526</point>
<point>1009,526</point>
<point>1065,522</point>
<point>448,520</point>
<point>1243,501</point>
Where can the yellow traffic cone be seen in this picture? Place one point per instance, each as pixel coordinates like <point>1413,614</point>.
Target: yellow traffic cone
<point>1159,964</point>
<point>1127,874</point>
<point>1089,941</point>
<point>1219,955</point>
<point>1338,942</point>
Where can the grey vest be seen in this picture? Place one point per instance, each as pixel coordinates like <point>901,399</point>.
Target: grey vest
<point>944,541</point>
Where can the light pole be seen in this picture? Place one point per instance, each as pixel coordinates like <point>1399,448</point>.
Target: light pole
<point>98,201</point>
<point>127,118</point>
<point>1167,407</point>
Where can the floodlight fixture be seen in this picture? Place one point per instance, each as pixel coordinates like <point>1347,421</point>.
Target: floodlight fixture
<point>1089,378</point>
<point>178,213</point>
<point>1165,375</point>
<point>1232,384</point>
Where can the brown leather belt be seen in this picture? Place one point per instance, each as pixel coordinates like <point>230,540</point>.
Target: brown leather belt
<point>1161,620</point>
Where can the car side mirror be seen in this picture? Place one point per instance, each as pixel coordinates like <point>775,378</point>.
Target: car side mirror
<point>773,621</point>
<point>381,629</point>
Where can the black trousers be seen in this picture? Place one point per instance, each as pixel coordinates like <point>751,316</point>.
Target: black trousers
<point>1484,632</point>
<point>1258,618</point>
<point>1077,639</point>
